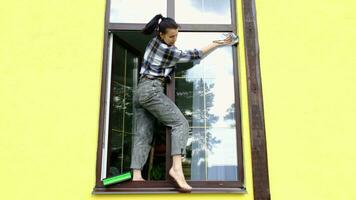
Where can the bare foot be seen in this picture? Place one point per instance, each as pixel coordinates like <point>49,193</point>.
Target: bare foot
<point>136,175</point>
<point>138,179</point>
<point>178,176</point>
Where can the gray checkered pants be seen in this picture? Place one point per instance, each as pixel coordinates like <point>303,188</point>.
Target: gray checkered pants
<point>150,102</point>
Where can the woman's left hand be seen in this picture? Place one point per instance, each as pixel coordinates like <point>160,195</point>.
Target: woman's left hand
<point>227,41</point>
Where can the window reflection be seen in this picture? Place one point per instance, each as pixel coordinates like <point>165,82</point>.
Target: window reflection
<point>136,11</point>
<point>203,11</point>
<point>205,94</point>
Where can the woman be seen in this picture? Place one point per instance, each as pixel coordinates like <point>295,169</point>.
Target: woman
<point>150,102</point>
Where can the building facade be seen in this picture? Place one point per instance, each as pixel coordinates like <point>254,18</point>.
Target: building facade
<point>276,119</point>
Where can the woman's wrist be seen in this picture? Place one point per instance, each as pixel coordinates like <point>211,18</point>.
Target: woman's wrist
<point>217,44</point>
<point>209,48</point>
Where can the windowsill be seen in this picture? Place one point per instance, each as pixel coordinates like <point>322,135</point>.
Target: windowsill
<point>168,190</point>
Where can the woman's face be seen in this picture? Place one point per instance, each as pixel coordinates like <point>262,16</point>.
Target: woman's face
<point>170,36</point>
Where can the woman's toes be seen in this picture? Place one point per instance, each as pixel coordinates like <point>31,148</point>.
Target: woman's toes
<point>188,187</point>
<point>138,179</point>
<point>179,178</point>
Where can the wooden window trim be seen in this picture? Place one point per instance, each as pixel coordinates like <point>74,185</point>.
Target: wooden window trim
<point>257,131</point>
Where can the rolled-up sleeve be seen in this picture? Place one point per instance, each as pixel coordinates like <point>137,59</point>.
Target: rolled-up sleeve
<point>193,55</point>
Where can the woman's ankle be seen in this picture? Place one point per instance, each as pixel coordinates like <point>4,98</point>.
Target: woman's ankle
<point>136,174</point>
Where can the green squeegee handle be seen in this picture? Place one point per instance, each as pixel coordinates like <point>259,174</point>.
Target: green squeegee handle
<point>117,179</point>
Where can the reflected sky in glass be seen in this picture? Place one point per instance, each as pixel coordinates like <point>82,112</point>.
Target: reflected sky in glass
<point>222,158</point>
<point>136,11</point>
<point>203,11</point>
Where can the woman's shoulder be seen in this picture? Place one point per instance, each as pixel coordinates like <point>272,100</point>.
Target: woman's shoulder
<point>154,41</point>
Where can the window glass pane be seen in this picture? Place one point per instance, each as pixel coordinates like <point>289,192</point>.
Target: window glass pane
<point>203,11</point>
<point>208,157</point>
<point>222,154</point>
<point>206,96</point>
<point>121,112</point>
<point>122,115</point>
<point>136,11</point>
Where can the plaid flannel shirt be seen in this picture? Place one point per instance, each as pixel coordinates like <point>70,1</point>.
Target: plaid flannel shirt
<point>160,59</point>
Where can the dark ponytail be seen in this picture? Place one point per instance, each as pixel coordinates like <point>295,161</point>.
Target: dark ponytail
<point>165,23</point>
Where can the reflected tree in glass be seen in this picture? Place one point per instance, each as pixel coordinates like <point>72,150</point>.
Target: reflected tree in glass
<point>195,99</point>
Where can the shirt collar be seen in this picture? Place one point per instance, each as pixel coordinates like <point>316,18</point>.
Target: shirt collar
<point>160,39</point>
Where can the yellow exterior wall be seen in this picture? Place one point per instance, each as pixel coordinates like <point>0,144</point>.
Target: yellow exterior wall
<point>307,52</point>
<point>50,79</point>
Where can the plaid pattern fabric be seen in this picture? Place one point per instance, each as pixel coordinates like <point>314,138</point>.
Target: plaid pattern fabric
<point>160,59</point>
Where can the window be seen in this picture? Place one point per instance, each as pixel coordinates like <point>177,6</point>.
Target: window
<point>206,93</point>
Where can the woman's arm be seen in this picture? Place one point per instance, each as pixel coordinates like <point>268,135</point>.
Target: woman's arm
<point>214,45</point>
<point>210,48</point>
<point>195,54</point>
